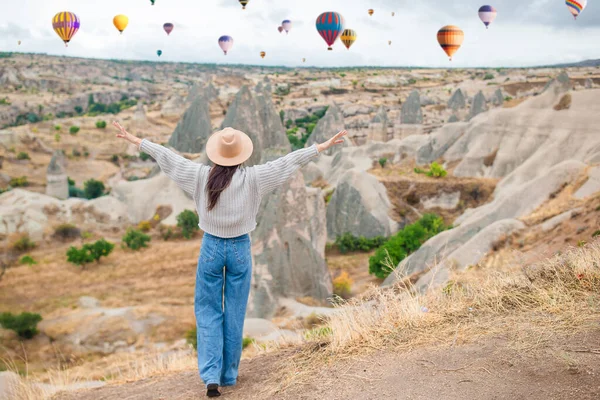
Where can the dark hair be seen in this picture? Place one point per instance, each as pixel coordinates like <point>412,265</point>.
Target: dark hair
<point>219,179</point>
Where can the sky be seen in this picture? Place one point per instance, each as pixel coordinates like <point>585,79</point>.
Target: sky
<point>525,33</point>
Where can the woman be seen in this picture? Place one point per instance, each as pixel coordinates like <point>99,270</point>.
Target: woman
<point>227,197</point>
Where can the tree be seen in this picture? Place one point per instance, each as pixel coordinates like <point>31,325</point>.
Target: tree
<point>93,189</point>
<point>24,324</point>
<point>188,222</point>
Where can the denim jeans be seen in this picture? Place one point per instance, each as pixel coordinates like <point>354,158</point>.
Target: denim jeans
<point>222,289</point>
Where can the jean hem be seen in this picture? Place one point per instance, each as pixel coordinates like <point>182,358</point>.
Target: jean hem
<point>230,383</point>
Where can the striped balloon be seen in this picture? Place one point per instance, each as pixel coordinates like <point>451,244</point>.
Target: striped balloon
<point>348,37</point>
<point>576,6</point>
<point>329,25</point>
<point>450,37</point>
<point>65,24</point>
<point>226,43</point>
<point>287,25</point>
<point>487,14</point>
<point>243,3</point>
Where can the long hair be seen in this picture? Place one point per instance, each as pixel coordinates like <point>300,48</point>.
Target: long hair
<point>219,179</point>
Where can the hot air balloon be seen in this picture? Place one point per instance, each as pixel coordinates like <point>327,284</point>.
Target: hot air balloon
<point>168,27</point>
<point>390,42</point>
<point>280,29</point>
<point>243,3</point>
<point>450,37</point>
<point>393,13</point>
<point>329,25</point>
<point>348,38</point>
<point>152,2</point>
<point>226,43</point>
<point>262,54</point>
<point>159,52</point>
<point>304,60</point>
<point>65,24</point>
<point>19,42</point>
<point>576,6</point>
<point>487,14</point>
<point>287,25</point>
<point>371,11</point>
<point>120,21</point>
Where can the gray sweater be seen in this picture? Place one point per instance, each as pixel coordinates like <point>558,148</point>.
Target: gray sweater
<point>235,212</point>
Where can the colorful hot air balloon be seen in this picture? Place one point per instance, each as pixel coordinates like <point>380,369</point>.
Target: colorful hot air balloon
<point>243,3</point>
<point>168,27</point>
<point>371,11</point>
<point>19,42</point>
<point>450,37</point>
<point>576,6</point>
<point>65,24</point>
<point>390,42</point>
<point>226,43</point>
<point>303,59</point>
<point>348,37</point>
<point>262,54</point>
<point>159,52</point>
<point>120,21</point>
<point>287,25</point>
<point>487,14</point>
<point>152,2</point>
<point>329,25</point>
<point>280,29</point>
<point>393,13</point>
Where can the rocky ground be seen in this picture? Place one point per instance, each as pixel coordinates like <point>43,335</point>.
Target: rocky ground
<point>519,147</point>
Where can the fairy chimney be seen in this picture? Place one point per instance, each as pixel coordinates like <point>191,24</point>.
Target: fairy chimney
<point>57,184</point>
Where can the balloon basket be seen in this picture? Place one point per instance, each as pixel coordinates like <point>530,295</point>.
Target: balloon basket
<point>329,48</point>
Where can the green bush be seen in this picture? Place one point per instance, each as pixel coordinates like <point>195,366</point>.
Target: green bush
<point>23,243</point>
<point>100,124</point>
<point>436,170</point>
<point>114,159</point>
<point>348,242</point>
<point>78,109</point>
<point>192,337</point>
<point>27,260</point>
<point>382,162</point>
<point>57,127</point>
<point>188,222</point>
<point>488,76</point>
<point>144,156</point>
<point>19,182</point>
<point>73,130</point>
<point>89,252</point>
<point>247,341</point>
<point>76,153</point>
<point>66,232</point>
<point>76,192</point>
<point>281,115</point>
<point>404,243</point>
<point>93,189</point>
<point>24,324</point>
<point>70,181</point>
<point>23,156</point>
<point>135,239</point>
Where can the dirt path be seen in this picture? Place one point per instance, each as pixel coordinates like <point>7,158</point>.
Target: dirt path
<point>559,368</point>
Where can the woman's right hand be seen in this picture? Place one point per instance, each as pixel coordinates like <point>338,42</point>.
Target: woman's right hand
<point>336,139</point>
<point>126,135</point>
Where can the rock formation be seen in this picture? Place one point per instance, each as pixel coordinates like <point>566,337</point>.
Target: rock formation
<point>411,109</point>
<point>378,127</point>
<point>359,205</point>
<point>173,106</point>
<point>453,118</point>
<point>329,125</point>
<point>194,128</point>
<point>57,184</point>
<point>140,114</point>
<point>497,98</point>
<point>457,100</point>
<point>589,83</point>
<point>479,105</point>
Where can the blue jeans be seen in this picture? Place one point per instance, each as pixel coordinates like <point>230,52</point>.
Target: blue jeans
<point>222,289</point>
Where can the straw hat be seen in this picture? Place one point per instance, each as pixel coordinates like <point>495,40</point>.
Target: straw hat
<point>229,147</point>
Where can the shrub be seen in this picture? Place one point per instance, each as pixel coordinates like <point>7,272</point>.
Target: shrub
<point>27,260</point>
<point>281,115</point>
<point>348,242</point>
<point>246,342</point>
<point>436,170</point>
<point>382,162</point>
<point>135,239</point>
<point>342,285</point>
<point>100,124</point>
<point>89,252</point>
<point>76,192</point>
<point>57,127</point>
<point>508,98</point>
<point>23,243</point>
<point>73,130</point>
<point>78,109</point>
<point>564,103</point>
<point>144,226</point>
<point>70,181</point>
<point>404,243</point>
<point>114,159</point>
<point>144,156</point>
<point>19,182</point>
<point>76,153</point>
<point>192,337</point>
<point>23,156</point>
<point>93,189</point>
<point>167,234</point>
<point>188,222</point>
<point>24,324</point>
<point>488,77</point>
<point>66,232</point>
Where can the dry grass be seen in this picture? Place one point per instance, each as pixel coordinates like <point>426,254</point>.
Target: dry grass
<point>561,294</point>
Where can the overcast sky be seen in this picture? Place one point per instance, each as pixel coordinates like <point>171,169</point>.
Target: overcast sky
<point>527,33</point>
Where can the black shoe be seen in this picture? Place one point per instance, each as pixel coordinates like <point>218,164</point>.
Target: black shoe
<point>212,390</point>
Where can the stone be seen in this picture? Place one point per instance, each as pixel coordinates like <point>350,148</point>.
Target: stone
<point>57,184</point>
<point>411,109</point>
<point>446,201</point>
<point>331,123</point>
<point>457,100</point>
<point>88,302</point>
<point>288,248</point>
<point>553,222</point>
<point>257,327</point>
<point>194,128</point>
<point>479,105</point>
<point>453,118</point>
<point>378,127</point>
<point>360,206</point>
<point>9,384</point>
<point>591,186</point>
<point>497,98</point>
<point>140,114</point>
<point>435,145</point>
<point>173,106</point>
<point>356,109</point>
<point>589,83</point>
<point>8,138</point>
<point>294,114</point>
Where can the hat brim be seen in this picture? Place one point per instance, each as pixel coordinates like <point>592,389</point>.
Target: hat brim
<point>213,154</point>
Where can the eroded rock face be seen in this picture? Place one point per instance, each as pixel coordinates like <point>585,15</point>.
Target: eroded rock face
<point>57,184</point>
<point>479,105</point>
<point>194,129</point>
<point>359,205</point>
<point>497,98</point>
<point>411,109</point>
<point>457,100</point>
<point>288,248</point>
<point>378,127</point>
<point>329,125</point>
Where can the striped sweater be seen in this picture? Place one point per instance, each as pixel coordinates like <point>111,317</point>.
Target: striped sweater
<point>235,212</point>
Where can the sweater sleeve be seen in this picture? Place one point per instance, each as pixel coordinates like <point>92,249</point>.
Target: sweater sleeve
<point>275,173</point>
<point>181,170</point>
